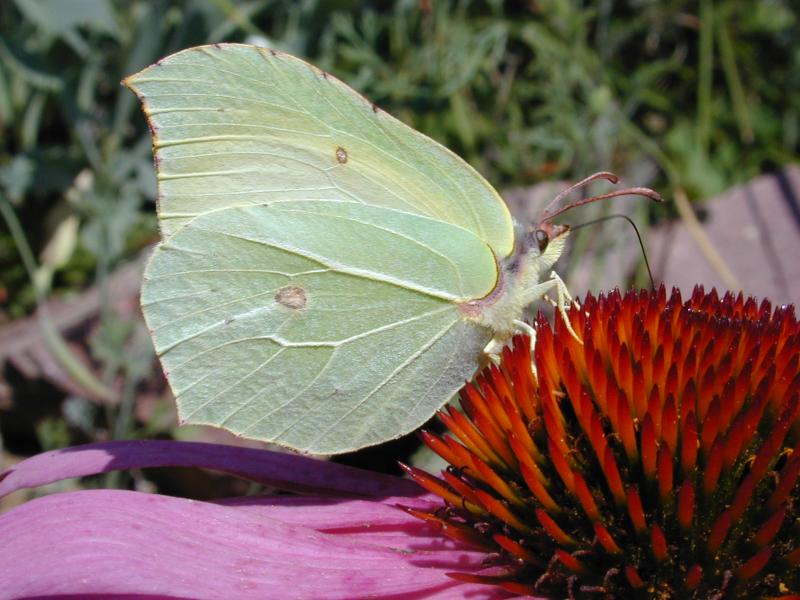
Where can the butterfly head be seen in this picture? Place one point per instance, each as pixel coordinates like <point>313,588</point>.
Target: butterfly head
<point>544,235</point>
<point>542,245</point>
<point>539,237</point>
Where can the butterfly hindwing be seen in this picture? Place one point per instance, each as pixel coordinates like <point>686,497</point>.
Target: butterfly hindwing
<point>316,337</point>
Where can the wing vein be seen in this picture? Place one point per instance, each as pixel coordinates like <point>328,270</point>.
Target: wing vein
<point>334,266</point>
<point>414,241</point>
<point>414,356</point>
<point>234,384</point>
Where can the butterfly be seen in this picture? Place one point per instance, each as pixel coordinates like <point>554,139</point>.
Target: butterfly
<point>327,277</point>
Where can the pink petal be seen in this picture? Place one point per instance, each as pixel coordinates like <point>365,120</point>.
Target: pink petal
<point>290,472</point>
<point>118,542</point>
<point>370,521</point>
<point>327,513</point>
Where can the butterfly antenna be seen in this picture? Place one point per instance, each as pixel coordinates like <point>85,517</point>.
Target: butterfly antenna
<point>552,209</point>
<point>638,235</point>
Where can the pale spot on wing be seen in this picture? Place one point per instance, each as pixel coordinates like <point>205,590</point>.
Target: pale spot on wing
<point>291,296</point>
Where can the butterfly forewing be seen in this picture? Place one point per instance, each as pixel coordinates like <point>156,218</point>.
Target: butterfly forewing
<point>237,125</point>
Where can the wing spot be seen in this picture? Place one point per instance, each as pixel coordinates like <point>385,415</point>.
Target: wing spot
<point>292,297</point>
<point>341,155</point>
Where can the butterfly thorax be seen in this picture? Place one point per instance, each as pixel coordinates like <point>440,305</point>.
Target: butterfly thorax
<point>516,288</point>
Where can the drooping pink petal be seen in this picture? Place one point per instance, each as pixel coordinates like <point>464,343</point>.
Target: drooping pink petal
<point>380,521</point>
<point>289,472</point>
<point>327,513</point>
<point>118,542</point>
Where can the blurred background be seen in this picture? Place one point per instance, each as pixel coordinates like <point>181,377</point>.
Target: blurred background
<point>698,100</point>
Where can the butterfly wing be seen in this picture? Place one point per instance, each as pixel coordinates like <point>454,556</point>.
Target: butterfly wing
<point>322,326</point>
<point>315,251</point>
<point>237,125</point>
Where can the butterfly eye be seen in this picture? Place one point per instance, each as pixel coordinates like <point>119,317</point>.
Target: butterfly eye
<point>542,239</point>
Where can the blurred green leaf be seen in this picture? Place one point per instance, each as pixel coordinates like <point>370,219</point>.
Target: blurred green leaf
<point>25,65</point>
<point>53,433</point>
<point>61,19</point>
<point>80,414</point>
<point>16,177</point>
<point>109,221</point>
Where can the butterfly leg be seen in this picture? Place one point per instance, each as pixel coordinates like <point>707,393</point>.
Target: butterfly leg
<point>525,328</point>
<point>563,298</point>
<point>493,350</point>
<point>494,347</point>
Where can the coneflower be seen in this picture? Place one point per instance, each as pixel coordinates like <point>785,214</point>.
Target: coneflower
<point>657,459</point>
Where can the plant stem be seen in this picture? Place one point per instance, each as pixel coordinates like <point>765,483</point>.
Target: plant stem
<point>736,89</point>
<point>702,240</point>
<point>705,76</point>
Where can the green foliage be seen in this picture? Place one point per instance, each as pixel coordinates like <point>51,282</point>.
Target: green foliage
<point>562,89</point>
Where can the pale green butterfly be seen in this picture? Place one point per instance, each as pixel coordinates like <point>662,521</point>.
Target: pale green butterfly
<point>328,277</point>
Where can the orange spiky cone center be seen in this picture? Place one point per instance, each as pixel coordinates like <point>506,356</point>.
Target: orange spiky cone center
<point>659,459</point>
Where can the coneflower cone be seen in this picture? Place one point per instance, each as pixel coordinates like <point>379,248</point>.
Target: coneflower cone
<point>657,459</point>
